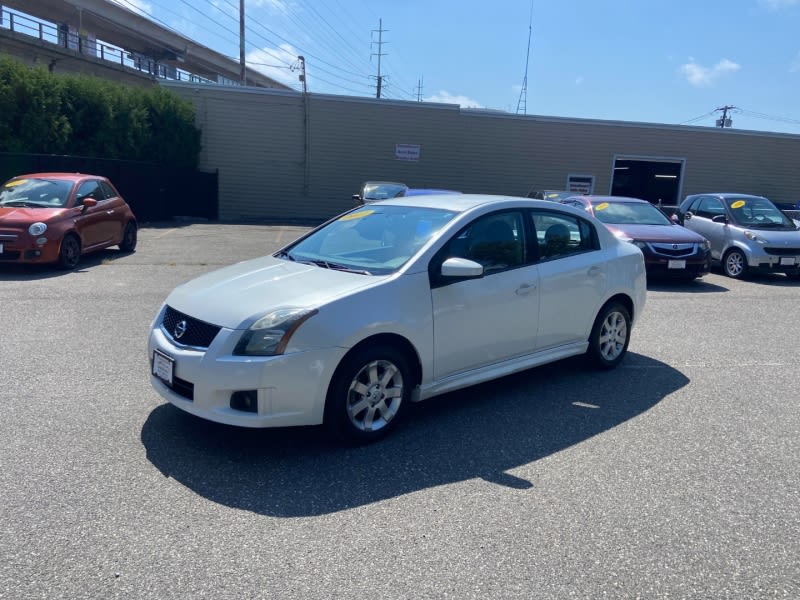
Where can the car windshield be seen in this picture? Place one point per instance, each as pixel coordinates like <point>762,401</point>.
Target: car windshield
<point>757,212</point>
<point>372,241</point>
<point>383,190</point>
<point>630,213</point>
<point>35,192</point>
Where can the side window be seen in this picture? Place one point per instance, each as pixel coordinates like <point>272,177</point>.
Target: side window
<point>89,189</point>
<point>559,235</point>
<point>709,207</point>
<point>497,241</point>
<point>108,191</point>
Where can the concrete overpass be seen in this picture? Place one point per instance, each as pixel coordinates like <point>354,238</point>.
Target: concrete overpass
<point>150,51</point>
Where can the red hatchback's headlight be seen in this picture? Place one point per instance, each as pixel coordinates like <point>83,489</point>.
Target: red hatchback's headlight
<point>37,228</point>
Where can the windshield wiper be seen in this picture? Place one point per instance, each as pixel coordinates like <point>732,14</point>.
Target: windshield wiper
<point>334,266</point>
<point>20,204</point>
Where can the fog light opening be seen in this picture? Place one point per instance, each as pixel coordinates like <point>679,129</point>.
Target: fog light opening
<point>245,401</point>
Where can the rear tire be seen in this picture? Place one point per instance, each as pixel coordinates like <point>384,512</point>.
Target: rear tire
<point>611,334</point>
<point>69,255</point>
<point>369,394</point>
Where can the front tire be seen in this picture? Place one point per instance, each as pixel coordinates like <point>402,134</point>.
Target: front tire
<point>369,394</point>
<point>610,336</point>
<point>735,264</point>
<point>129,238</point>
<point>70,252</point>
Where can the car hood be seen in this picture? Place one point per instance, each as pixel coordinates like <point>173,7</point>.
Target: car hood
<point>675,234</point>
<point>15,215</point>
<point>237,295</point>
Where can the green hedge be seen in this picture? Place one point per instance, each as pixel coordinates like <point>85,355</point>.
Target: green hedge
<point>43,113</point>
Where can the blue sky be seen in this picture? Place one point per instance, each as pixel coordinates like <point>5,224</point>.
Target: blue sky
<point>657,61</point>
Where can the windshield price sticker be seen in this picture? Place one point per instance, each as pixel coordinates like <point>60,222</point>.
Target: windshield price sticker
<point>738,204</point>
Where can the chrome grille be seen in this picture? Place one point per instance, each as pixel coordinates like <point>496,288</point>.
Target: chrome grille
<point>674,250</point>
<point>196,334</point>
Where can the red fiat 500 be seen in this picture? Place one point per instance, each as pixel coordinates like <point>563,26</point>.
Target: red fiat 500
<point>57,217</point>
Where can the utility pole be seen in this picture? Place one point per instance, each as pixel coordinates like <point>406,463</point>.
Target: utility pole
<point>380,31</point>
<point>419,90</point>
<point>241,43</point>
<point>724,121</point>
<point>302,76</point>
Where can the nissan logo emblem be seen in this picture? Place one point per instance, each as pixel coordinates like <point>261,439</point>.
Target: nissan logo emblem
<point>180,329</point>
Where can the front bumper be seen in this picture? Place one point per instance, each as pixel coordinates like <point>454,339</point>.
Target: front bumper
<point>774,260</point>
<point>290,389</point>
<point>687,261</point>
<point>19,247</point>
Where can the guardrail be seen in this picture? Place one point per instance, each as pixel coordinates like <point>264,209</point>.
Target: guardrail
<point>63,38</point>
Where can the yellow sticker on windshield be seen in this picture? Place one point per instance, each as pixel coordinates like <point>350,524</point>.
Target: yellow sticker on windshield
<point>16,183</point>
<point>552,195</point>
<point>357,215</point>
<point>601,206</point>
<point>738,204</point>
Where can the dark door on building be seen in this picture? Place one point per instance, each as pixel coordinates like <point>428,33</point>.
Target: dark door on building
<point>656,181</point>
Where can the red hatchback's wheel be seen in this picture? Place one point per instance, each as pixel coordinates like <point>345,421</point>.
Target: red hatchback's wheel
<point>70,253</point>
<point>128,243</point>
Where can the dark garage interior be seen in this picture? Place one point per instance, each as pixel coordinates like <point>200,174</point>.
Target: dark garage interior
<point>653,180</point>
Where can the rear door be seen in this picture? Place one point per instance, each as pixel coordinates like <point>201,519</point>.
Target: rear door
<point>573,277</point>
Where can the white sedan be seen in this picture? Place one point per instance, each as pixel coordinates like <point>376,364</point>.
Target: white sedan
<point>392,303</point>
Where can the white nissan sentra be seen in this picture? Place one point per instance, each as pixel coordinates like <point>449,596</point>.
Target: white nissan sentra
<point>392,303</point>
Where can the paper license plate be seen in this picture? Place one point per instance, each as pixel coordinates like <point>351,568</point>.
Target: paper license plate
<point>676,264</point>
<point>1,248</point>
<point>784,261</point>
<point>163,366</point>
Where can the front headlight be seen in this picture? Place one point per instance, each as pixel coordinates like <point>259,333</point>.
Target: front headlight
<point>270,335</point>
<point>705,245</point>
<point>754,237</point>
<point>37,228</point>
<point>639,244</point>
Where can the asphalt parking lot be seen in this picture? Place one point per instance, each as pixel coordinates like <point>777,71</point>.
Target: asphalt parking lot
<point>675,476</point>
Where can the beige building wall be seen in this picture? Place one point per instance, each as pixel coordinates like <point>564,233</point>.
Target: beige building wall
<point>284,156</point>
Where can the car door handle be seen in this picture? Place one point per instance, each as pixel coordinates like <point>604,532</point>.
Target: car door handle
<point>525,288</point>
<point>595,271</point>
<point>110,212</point>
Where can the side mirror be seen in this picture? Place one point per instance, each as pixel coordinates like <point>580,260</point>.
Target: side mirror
<point>720,219</point>
<point>88,203</point>
<point>674,218</point>
<point>462,268</point>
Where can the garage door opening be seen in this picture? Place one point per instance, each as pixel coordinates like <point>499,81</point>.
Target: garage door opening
<point>655,180</point>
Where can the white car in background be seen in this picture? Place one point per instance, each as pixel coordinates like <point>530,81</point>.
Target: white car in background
<point>396,302</point>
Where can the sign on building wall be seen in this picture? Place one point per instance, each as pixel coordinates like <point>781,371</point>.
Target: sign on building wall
<point>407,152</point>
<point>580,184</point>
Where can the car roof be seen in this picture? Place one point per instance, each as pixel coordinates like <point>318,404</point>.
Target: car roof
<point>57,175</point>
<point>613,199</point>
<point>461,202</point>
<point>725,195</point>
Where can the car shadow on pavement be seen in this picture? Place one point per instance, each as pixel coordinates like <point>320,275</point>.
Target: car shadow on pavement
<point>697,286</point>
<point>17,272</point>
<point>479,432</point>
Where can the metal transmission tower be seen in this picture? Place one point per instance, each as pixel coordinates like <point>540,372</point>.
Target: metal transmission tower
<point>522,103</point>
<point>419,90</point>
<point>379,53</point>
